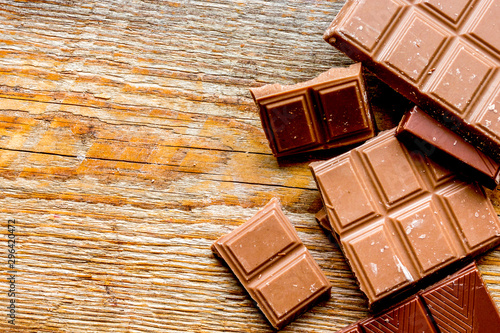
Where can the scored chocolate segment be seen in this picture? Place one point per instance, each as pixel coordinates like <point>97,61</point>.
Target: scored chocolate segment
<point>461,303</point>
<point>444,55</point>
<point>399,216</point>
<point>326,112</point>
<point>273,265</point>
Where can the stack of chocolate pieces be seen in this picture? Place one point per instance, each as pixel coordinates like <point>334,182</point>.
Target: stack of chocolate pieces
<point>406,206</point>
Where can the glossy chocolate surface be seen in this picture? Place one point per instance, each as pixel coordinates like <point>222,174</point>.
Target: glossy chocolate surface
<point>458,303</point>
<point>461,303</point>
<point>327,112</point>
<point>400,217</point>
<point>444,55</point>
<point>273,265</point>
<point>423,134</point>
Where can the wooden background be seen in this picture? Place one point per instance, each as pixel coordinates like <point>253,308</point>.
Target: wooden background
<point>129,143</point>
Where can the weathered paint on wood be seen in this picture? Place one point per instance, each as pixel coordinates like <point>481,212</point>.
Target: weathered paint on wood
<point>129,143</point>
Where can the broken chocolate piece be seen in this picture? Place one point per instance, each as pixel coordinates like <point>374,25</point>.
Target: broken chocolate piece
<point>444,55</point>
<point>425,135</point>
<point>322,219</point>
<point>400,217</point>
<point>273,265</point>
<point>327,112</point>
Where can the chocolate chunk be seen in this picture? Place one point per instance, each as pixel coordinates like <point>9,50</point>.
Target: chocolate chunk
<point>444,55</point>
<point>461,303</point>
<point>458,303</point>
<point>273,265</point>
<point>400,217</point>
<point>326,112</point>
<point>322,219</point>
<point>425,135</point>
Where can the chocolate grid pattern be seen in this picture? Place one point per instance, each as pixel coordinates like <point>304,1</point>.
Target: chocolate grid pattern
<point>289,242</point>
<point>410,212</point>
<point>454,49</point>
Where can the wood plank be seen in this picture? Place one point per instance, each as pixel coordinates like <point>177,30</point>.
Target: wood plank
<point>129,143</point>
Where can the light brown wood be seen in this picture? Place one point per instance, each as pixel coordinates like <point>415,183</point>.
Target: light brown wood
<point>129,143</point>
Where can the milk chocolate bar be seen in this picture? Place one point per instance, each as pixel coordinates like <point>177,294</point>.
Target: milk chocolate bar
<point>425,135</point>
<point>400,217</point>
<point>273,265</point>
<point>459,303</point>
<point>444,55</point>
<point>327,112</point>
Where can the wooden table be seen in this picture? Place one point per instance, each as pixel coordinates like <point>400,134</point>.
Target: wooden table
<point>129,143</point>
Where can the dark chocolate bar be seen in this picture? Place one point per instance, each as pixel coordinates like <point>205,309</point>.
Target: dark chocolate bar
<point>461,303</point>
<point>423,134</point>
<point>401,217</point>
<point>327,112</point>
<point>409,316</point>
<point>273,265</point>
<point>458,303</point>
<point>444,55</point>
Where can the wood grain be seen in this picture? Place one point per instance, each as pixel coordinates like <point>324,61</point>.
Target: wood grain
<point>129,143</point>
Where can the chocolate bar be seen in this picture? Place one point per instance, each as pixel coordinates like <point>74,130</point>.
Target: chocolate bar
<point>327,112</point>
<point>427,136</point>
<point>444,55</point>
<point>273,265</point>
<point>459,303</point>
<point>400,217</point>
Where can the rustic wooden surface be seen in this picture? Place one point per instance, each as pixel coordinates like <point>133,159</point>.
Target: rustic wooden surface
<point>129,143</point>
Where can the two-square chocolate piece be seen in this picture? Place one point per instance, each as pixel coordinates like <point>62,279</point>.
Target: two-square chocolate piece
<point>273,265</point>
<point>326,112</point>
